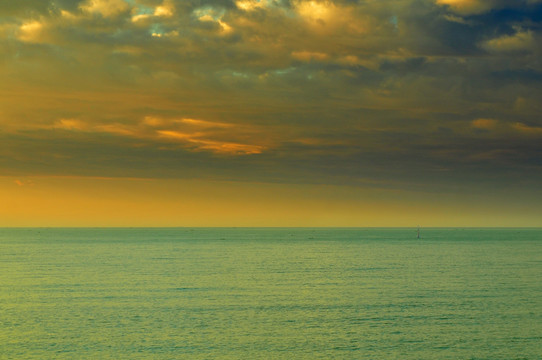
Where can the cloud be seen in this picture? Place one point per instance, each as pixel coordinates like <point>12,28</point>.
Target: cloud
<point>33,32</point>
<point>24,182</point>
<point>71,124</point>
<point>204,123</point>
<point>191,134</point>
<point>213,16</point>
<point>324,17</point>
<point>528,130</point>
<point>105,8</point>
<point>220,147</point>
<point>166,10</point>
<point>520,41</point>
<point>318,89</point>
<point>468,7</point>
<point>486,124</point>
<point>251,5</point>
<point>307,56</point>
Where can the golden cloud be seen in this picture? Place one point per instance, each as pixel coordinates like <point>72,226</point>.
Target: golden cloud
<point>307,56</point>
<point>251,5</point>
<point>32,31</point>
<point>71,124</point>
<point>521,40</point>
<point>106,8</point>
<point>167,9</point>
<point>327,16</point>
<point>467,7</point>
<point>220,147</point>
<point>192,134</point>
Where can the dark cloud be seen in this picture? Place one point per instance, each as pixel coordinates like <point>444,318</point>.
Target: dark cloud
<point>23,8</point>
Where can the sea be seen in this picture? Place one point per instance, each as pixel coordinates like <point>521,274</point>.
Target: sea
<point>270,293</point>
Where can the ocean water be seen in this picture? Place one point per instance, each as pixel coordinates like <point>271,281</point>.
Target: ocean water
<point>210,293</point>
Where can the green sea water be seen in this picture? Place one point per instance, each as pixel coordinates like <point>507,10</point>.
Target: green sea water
<point>209,293</point>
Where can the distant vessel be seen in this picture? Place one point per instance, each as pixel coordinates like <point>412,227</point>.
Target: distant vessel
<point>418,233</point>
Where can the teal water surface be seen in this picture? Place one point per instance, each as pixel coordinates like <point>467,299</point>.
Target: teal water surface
<point>211,293</point>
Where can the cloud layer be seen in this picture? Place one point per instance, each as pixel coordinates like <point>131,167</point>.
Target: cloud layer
<point>428,94</point>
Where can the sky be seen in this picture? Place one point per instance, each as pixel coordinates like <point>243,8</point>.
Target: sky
<point>271,113</point>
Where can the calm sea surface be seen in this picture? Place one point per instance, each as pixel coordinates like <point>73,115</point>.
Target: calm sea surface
<point>270,294</point>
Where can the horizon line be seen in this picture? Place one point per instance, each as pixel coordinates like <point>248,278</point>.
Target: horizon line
<point>271,227</point>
